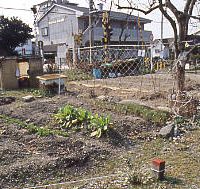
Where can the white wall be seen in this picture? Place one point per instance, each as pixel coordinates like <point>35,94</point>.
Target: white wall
<point>62,24</point>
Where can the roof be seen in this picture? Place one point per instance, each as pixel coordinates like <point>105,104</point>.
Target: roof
<point>50,48</point>
<point>123,16</point>
<point>196,33</point>
<point>81,9</point>
<point>85,11</point>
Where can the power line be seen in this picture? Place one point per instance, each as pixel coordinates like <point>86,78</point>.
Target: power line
<point>52,12</point>
<point>18,9</point>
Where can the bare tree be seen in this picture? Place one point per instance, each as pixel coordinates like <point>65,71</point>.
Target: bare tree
<point>179,20</point>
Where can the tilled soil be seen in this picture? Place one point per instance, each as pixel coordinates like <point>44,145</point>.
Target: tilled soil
<point>6,100</point>
<point>28,160</point>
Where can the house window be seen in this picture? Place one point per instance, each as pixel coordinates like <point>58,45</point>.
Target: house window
<point>85,25</point>
<point>44,31</point>
<point>157,50</point>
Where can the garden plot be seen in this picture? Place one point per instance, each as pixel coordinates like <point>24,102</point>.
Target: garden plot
<point>151,89</point>
<point>35,150</point>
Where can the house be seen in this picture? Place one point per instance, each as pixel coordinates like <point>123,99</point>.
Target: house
<point>60,21</point>
<point>26,49</point>
<point>160,49</point>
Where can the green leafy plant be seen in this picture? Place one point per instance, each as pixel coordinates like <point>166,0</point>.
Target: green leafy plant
<point>99,125</point>
<point>70,117</point>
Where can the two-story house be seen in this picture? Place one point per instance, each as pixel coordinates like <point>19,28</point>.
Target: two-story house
<point>59,21</point>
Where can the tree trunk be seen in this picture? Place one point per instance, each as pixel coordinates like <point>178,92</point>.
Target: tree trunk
<point>180,78</point>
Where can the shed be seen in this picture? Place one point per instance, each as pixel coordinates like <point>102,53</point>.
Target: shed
<point>12,69</point>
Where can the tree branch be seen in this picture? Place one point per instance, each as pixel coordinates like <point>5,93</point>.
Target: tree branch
<point>173,24</point>
<point>192,49</point>
<point>194,17</point>
<point>192,6</point>
<point>173,9</point>
<point>187,6</point>
<point>137,9</point>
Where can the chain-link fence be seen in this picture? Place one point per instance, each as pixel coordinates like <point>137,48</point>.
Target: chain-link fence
<point>122,73</point>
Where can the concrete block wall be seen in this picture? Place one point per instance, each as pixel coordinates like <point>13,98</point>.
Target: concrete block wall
<point>8,74</point>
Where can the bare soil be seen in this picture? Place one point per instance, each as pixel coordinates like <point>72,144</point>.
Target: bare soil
<point>27,159</point>
<point>151,89</point>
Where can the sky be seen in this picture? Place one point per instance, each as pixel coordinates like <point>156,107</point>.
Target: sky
<point>155,26</point>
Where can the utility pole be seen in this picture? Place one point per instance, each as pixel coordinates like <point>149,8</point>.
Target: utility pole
<point>90,28</point>
<point>34,10</point>
<point>138,42</point>
<point>162,32</point>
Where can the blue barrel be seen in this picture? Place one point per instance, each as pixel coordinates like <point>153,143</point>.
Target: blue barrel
<point>97,73</point>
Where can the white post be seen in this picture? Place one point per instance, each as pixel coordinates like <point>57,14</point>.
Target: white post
<point>59,82</point>
<point>162,32</point>
<point>90,28</point>
<point>151,57</point>
<point>74,53</point>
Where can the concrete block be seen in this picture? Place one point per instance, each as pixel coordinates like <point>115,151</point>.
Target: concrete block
<point>28,98</point>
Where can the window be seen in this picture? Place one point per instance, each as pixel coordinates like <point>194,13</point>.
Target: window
<point>85,25</point>
<point>157,50</point>
<point>44,31</point>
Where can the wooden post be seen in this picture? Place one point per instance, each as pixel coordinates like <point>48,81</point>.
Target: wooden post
<point>158,168</point>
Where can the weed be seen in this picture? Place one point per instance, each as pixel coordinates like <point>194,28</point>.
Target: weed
<point>147,113</point>
<point>69,116</point>
<point>40,92</point>
<point>41,131</point>
<point>77,75</point>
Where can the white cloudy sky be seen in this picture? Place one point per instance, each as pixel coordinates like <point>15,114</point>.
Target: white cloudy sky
<point>27,16</point>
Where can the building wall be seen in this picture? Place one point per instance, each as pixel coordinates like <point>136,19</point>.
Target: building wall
<point>35,69</point>
<point>61,25</point>
<point>134,35</point>
<point>130,29</point>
